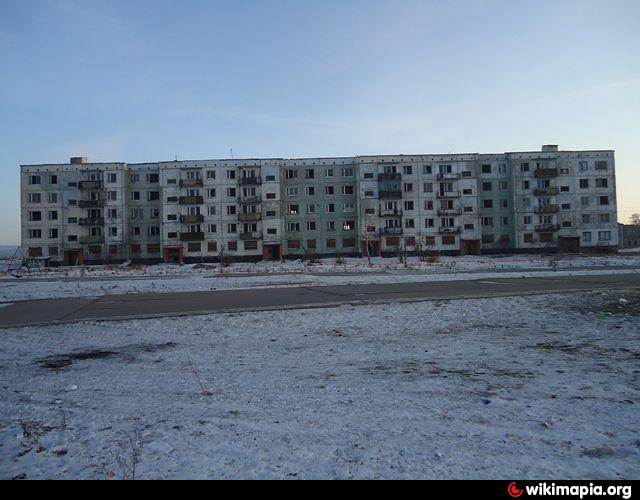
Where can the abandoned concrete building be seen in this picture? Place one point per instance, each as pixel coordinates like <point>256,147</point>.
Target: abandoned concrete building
<point>261,209</point>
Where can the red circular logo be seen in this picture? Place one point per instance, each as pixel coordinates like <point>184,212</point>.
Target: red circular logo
<point>514,491</point>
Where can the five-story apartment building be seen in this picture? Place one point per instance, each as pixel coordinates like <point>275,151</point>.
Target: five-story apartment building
<point>253,209</point>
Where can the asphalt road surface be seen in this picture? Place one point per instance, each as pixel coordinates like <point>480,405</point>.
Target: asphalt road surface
<point>153,305</point>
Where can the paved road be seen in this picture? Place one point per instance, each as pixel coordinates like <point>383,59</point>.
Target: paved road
<point>150,305</point>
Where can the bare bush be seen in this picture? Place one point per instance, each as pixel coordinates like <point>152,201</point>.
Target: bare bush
<point>128,455</point>
<point>196,375</point>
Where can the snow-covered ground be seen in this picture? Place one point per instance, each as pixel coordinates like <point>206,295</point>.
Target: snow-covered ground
<point>108,280</point>
<point>494,388</point>
<point>440,264</point>
<point>19,289</point>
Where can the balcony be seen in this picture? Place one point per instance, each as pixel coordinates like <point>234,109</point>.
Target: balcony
<point>251,200</point>
<point>389,177</point>
<point>91,203</point>
<point>545,173</point>
<point>449,230</point>
<point>546,209</point>
<point>96,221</point>
<point>89,185</point>
<point>91,240</point>
<point>450,211</point>
<point>191,219</point>
<point>448,194</point>
<point>195,236</point>
<point>250,217</point>
<point>191,200</point>
<point>391,230</point>
<point>448,176</point>
<point>251,236</point>
<point>550,191</point>
<point>189,183</point>
<point>547,227</point>
<point>390,213</point>
<point>390,195</point>
<point>250,181</point>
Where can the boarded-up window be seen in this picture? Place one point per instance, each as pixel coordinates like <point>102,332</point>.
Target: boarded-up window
<point>35,251</point>
<point>153,248</point>
<point>311,243</point>
<point>528,237</point>
<point>392,241</point>
<point>194,247</point>
<point>293,244</point>
<point>487,238</point>
<point>448,240</point>
<point>95,249</point>
<point>546,237</point>
<point>135,249</point>
<point>232,246</point>
<point>331,243</point>
<point>505,238</point>
<point>430,240</point>
<point>410,241</point>
<point>113,249</point>
<point>250,245</point>
<point>348,243</point>
<point>212,246</point>
<point>53,251</point>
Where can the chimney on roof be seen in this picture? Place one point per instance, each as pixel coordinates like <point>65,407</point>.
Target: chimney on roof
<point>78,159</point>
<point>550,148</point>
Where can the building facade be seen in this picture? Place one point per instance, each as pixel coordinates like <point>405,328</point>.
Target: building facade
<point>255,209</point>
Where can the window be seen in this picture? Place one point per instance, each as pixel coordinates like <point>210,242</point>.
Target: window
<point>271,196</point>
<point>586,237</point>
<point>604,235</point>
<point>112,178</point>
<point>604,218</point>
<point>504,221</point>
<point>427,187</point>
<point>232,210</point>
<point>487,186</point>
<point>565,189</point>
<point>135,195</point>
<point>53,215</point>
<point>34,180</point>
<point>311,226</point>
<point>34,198</point>
<point>467,192</point>
<point>211,193</point>
<point>272,231</point>
<point>250,245</point>
<point>584,183</point>
<point>330,225</point>
<point>35,234</point>
<point>347,190</point>
<point>270,178</point>
<point>53,233</point>
<point>331,243</point>
<point>603,200</point>
<point>153,195</point>
<point>194,247</point>
<point>232,246</point>
<point>408,187</point>
<point>426,169</point>
<point>309,173</point>
<point>408,206</point>
<point>347,172</point>
<point>368,194</point>
<point>368,175</point>
<point>329,190</point>
<point>486,169</point>
<point>328,172</point>
<point>566,223</point>
<point>293,227</point>
<point>293,209</point>
<point>348,243</point>
<point>528,237</point>
<point>52,197</point>
<point>348,225</point>
<point>602,183</point>
<point>348,207</point>
<point>487,203</point>
<point>113,231</point>
<point>231,174</point>
<point>527,220</point>
<point>291,174</point>
<point>331,208</point>
<point>310,191</point>
<point>409,223</point>
<point>270,213</point>
<point>487,221</point>
<point>72,238</point>
<point>212,228</point>
<point>292,191</point>
<point>135,231</point>
<point>429,223</point>
<point>584,201</point>
<point>407,169</point>
<point>35,216</point>
<point>524,167</point>
<point>566,206</point>
<point>448,240</point>
<point>601,165</point>
<point>586,219</point>
<point>293,244</point>
<point>583,166</point>
<point>211,174</point>
<point>488,238</point>
<point>311,244</point>
<point>232,228</point>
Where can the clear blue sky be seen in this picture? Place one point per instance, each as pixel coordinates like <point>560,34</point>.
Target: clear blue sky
<point>146,80</point>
